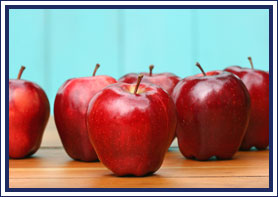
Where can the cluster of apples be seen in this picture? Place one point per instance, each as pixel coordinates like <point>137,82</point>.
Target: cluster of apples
<point>129,124</point>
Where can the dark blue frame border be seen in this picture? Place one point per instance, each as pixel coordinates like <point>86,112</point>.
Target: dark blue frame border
<point>138,0</point>
<point>269,7</point>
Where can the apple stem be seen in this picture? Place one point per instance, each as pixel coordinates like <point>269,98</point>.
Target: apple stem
<point>200,67</point>
<point>251,62</point>
<point>96,68</point>
<point>20,72</point>
<point>151,69</point>
<point>138,83</point>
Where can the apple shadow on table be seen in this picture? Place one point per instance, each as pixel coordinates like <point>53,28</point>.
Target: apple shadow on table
<point>132,176</point>
<point>254,149</point>
<point>26,158</point>
<point>79,160</point>
<point>212,159</point>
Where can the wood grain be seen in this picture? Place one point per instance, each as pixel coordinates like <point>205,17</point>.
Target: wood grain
<point>50,167</point>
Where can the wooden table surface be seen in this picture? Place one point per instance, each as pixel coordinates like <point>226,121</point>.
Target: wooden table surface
<point>50,167</point>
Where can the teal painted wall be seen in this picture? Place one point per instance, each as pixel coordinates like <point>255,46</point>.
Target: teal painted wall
<point>56,45</point>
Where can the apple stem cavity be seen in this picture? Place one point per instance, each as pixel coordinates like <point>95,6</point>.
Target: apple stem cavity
<point>251,62</point>
<point>200,67</point>
<point>20,72</point>
<point>138,83</point>
<point>151,69</point>
<point>96,68</point>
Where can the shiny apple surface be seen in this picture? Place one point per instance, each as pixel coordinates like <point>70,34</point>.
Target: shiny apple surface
<point>167,81</point>
<point>70,108</point>
<point>131,132</point>
<point>28,116</point>
<point>257,83</point>
<point>213,113</point>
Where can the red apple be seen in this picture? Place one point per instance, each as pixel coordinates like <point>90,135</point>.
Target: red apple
<point>28,116</point>
<point>131,126</point>
<point>213,111</point>
<point>70,108</point>
<point>257,83</point>
<point>167,81</point>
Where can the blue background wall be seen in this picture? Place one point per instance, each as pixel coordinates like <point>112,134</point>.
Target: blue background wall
<point>56,45</point>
